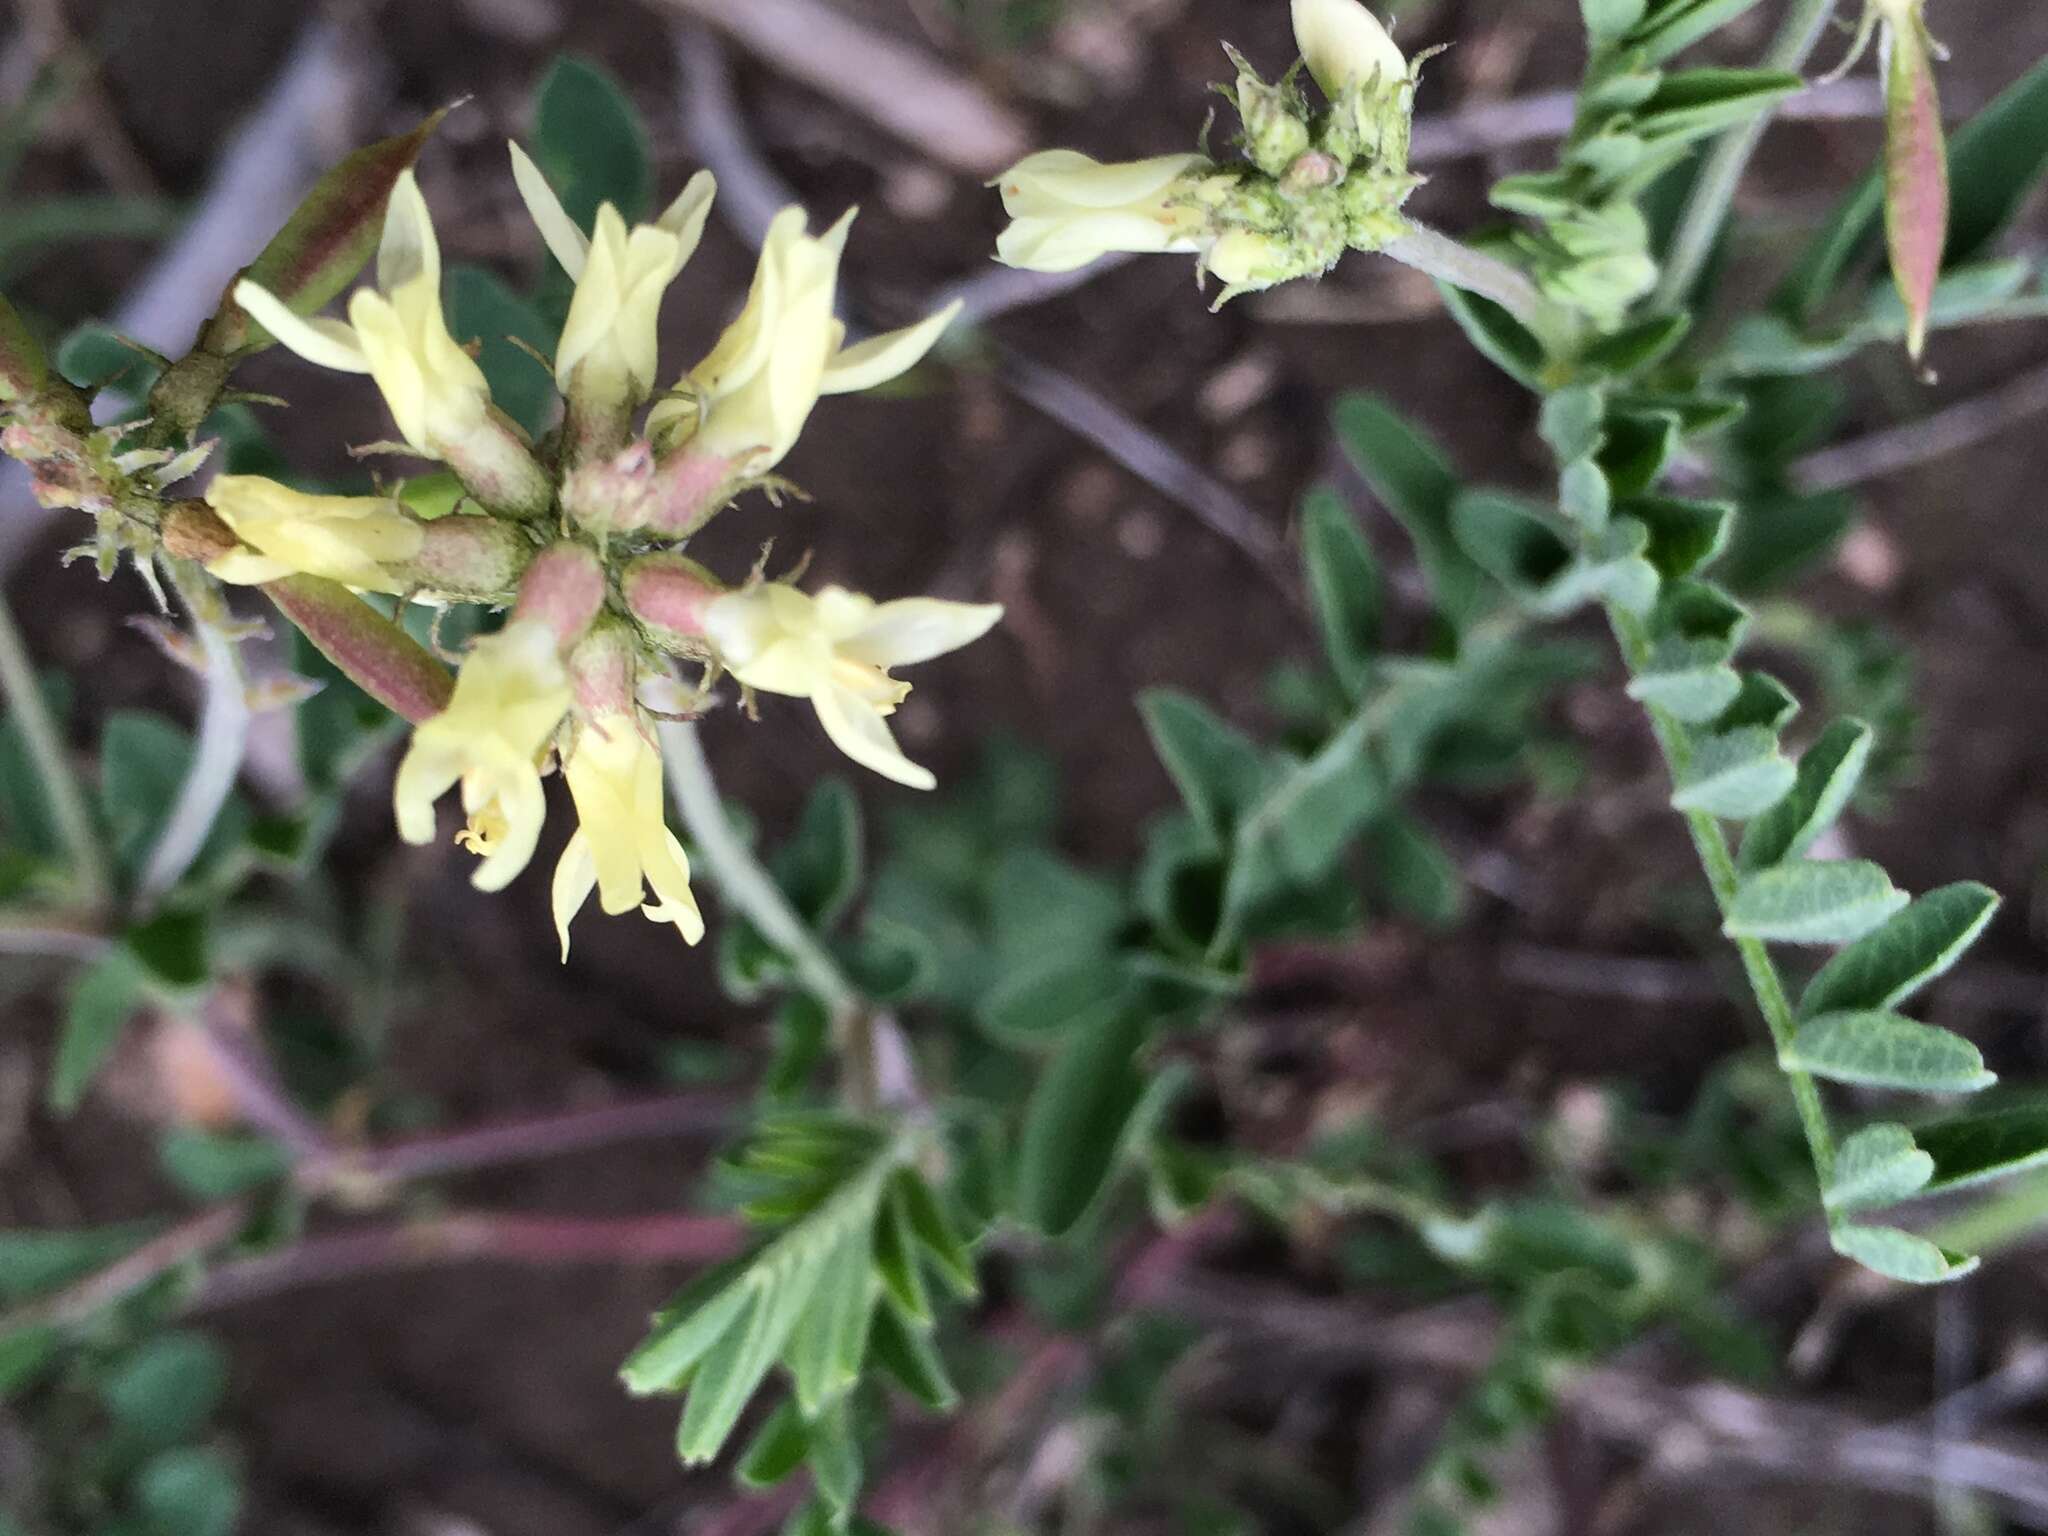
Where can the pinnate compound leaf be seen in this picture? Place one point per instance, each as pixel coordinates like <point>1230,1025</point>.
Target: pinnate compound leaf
<point>1828,774</point>
<point>1879,1165</point>
<point>1818,902</point>
<point>1886,1050</point>
<point>1900,1255</point>
<point>1884,968</point>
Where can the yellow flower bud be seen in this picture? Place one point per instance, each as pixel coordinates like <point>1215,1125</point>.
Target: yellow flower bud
<point>283,532</point>
<point>395,333</point>
<point>1345,45</point>
<point>609,342</point>
<point>835,649</point>
<point>1066,209</point>
<point>1244,258</point>
<point>622,846</point>
<point>510,696</point>
<point>749,398</point>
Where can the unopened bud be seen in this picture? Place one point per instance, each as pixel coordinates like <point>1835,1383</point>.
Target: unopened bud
<point>1275,121</point>
<point>613,495</point>
<point>1345,45</point>
<point>499,469</point>
<point>690,489</point>
<point>564,589</point>
<point>192,530</point>
<point>602,671</point>
<point>669,594</point>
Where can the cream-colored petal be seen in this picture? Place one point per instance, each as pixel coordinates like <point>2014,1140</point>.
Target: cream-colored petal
<point>1344,44</point>
<point>394,362</point>
<point>246,568</point>
<point>858,729</point>
<point>326,342</point>
<point>882,358</point>
<point>668,871</point>
<point>914,629</point>
<point>424,776</point>
<point>558,231</point>
<point>523,803</point>
<point>1063,180</point>
<point>575,878</point>
<point>684,218</point>
<point>408,249</point>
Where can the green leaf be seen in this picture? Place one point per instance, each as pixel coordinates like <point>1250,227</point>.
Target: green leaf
<point>1501,339</point>
<point>1737,775</point>
<point>907,1353</point>
<point>1691,693</point>
<point>1828,774</point>
<point>1883,969</point>
<point>164,1391</point>
<point>1675,25</point>
<point>1609,20</point>
<point>1974,1149</point>
<point>942,1244</point>
<point>24,369</point>
<point>25,1354</point>
<point>1761,701</point>
<point>1637,446</point>
<point>1900,1255</point>
<point>1697,102</point>
<point>1886,1050</point>
<point>1815,902</point>
<point>1411,870</point>
<point>822,865</point>
<point>103,999</point>
<point>1994,162</point>
<point>835,1462</point>
<point>1638,347</point>
<point>95,356</point>
<point>1219,771</point>
<point>1074,1125</point>
<point>776,1450</point>
<point>143,760</point>
<point>1511,539</point>
<point>590,142</point>
<point>1410,476</point>
<point>191,1492</point>
<point>217,1167</point>
<point>33,1262</point>
<point>482,308</point>
<point>1879,1165</point>
<point>1570,422</point>
<point>1038,1004</point>
<point>1684,535</point>
<point>172,948</point>
<point>1344,581</point>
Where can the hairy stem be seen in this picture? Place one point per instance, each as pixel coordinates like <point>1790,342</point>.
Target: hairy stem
<point>222,744</point>
<point>1718,862</point>
<point>1714,193</point>
<point>46,750</point>
<point>1451,261</point>
<point>739,875</point>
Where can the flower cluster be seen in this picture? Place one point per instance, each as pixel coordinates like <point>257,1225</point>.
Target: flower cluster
<point>1313,181</point>
<point>580,536</point>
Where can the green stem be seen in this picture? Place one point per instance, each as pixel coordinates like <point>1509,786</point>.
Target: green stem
<point>1452,261</point>
<point>46,750</point>
<point>1714,193</point>
<point>1719,864</point>
<point>741,879</point>
<point>223,740</point>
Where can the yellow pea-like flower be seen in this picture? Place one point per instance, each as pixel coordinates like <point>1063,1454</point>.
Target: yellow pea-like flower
<point>510,696</point>
<point>1345,45</point>
<point>395,333</point>
<point>622,846</point>
<point>1067,209</point>
<point>349,539</point>
<point>749,398</point>
<point>836,649</point>
<point>609,342</point>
